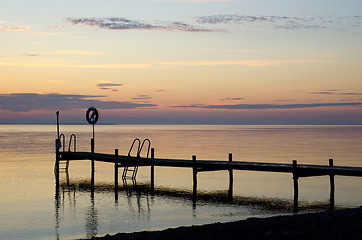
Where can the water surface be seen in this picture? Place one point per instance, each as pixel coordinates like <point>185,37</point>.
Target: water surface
<point>31,208</point>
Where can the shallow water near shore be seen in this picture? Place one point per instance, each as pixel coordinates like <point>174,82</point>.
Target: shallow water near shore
<point>31,208</point>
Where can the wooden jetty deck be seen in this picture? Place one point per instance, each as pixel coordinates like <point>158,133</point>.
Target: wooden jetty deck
<point>302,170</point>
<point>125,161</point>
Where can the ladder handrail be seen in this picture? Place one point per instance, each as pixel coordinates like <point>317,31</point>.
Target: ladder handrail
<point>148,149</point>
<point>70,142</point>
<point>138,149</point>
<point>60,138</point>
<point>138,156</point>
<point>125,170</point>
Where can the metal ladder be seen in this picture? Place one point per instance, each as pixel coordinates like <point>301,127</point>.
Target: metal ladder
<point>65,163</point>
<point>134,168</point>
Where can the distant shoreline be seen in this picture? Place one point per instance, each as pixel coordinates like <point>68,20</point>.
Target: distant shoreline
<point>337,224</point>
<point>185,124</point>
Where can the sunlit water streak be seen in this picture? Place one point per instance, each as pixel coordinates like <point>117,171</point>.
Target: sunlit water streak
<point>30,208</point>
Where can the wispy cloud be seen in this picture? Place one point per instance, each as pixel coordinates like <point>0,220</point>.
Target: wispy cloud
<point>23,102</point>
<point>283,100</point>
<point>251,63</point>
<point>15,29</point>
<point>269,106</point>
<point>276,21</point>
<point>283,22</point>
<point>81,53</point>
<point>202,23</point>
<point>120,23</point>
<point>28,55</point>
<point>142,97</point>
<point>109,86</point>
<point>231,99</point>
<point>65,52</point>
<point>95,66</point>
<point>254,63</point>
<point>52,27</point>
<point>336,92</point>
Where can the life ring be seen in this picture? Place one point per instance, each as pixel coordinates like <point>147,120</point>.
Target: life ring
<point>92,115</point>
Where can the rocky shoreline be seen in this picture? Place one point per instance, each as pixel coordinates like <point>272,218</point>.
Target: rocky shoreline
<point>337,224</point>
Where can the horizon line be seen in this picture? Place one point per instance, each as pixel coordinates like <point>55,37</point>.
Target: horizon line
<point>207,124</point>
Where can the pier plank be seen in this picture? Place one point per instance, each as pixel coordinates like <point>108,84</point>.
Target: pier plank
<point>303,170</point>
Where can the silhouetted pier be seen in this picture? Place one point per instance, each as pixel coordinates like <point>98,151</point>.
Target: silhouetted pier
<point>122,161</point>
<point>131,163</point>
<point>301,170</point>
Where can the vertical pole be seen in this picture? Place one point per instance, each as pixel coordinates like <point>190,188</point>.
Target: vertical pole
<point>116,176</point>
<point>92,145</point>
<point>115,169</point>
<point>92,164</point>
<point>93,133</point>
<point>152,170</point>
<point>231,179</point>
<point>57,158</point>
<point>58,124</point>
<point>194,174</point>
<point>295,180</point>
<point>331,180</point>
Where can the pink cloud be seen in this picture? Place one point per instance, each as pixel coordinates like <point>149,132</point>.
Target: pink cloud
<point>15,29</point>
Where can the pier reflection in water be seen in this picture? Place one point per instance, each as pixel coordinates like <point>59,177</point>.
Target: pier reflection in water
<point>138,207</point>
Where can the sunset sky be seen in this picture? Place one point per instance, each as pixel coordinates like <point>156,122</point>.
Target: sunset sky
<point>182,61</point>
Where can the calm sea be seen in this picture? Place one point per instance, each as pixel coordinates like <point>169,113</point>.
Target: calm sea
<point>31,209</point>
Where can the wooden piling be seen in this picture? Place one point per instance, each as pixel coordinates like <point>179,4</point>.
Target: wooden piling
<point>92,145</point>
<point>332,186</point>
<point>58,124</point>
<point>231,179</point>
<point>152,170</point>
<point>295,180</point>
<point>115,169</point>
<point>298,171</point>
<point>92,164</point>
<point>57,159</point>
<point>194,174</point>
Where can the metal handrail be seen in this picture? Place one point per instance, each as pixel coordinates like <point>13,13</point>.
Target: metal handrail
<point>148,149</point>
<point>70,142</point>
<point>60,137</point>
<point>138,156</point>
<point>138,149</point>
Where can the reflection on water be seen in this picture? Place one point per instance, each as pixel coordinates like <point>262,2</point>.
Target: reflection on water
<point>138,199</point>
<point>91,227</point>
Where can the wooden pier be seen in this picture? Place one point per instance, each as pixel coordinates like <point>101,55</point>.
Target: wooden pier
<point>125,161</point>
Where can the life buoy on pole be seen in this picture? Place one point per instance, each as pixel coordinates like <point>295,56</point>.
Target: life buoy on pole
<point>92,115</point>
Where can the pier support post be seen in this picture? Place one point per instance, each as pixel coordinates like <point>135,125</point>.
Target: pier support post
<point>152,170</point>
<point>57,159</point>
<point>231,179</point>
<point>92,165</point>
<point>116,169</point>
<point>194,175</point>
<point>58,124</point>
<point>331,180</point>
<point>295,180</point>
